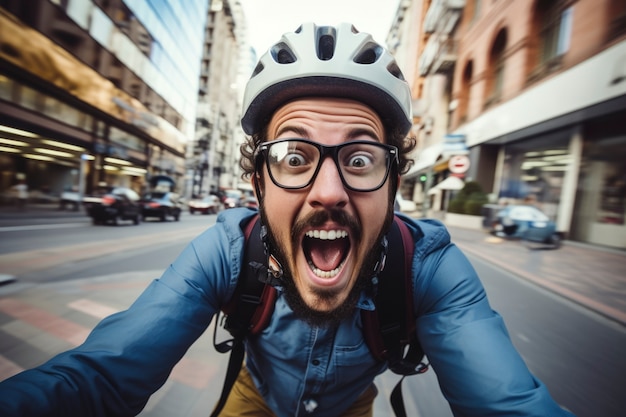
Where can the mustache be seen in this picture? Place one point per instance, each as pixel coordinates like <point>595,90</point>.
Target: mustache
<point>319,218</point>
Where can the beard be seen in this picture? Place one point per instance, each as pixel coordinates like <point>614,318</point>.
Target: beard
<point>295,301</point>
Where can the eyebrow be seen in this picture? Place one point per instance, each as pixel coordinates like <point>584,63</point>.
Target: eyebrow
<point>304,133</point>
<point>364,132</point>
<point>299,131</point>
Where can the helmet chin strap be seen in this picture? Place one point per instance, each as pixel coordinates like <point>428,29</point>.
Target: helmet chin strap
<point>380,264</point>
<point>274,273</point>
<point>271,274</point>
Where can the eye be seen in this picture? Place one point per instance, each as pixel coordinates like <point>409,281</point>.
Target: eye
<point>295,160</point>
<point>359,160</point>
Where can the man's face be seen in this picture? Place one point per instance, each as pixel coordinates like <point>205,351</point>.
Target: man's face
<point>325,269</point>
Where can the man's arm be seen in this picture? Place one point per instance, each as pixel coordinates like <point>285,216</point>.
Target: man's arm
<point>129,355</point>
<point>479,370</point>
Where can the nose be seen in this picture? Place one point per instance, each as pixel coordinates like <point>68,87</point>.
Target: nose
<point>327,190</point>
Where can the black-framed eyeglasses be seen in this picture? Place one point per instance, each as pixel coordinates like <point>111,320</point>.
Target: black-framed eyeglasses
<point>294,163</point>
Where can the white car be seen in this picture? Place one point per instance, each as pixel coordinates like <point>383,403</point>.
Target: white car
<point>405,206</point>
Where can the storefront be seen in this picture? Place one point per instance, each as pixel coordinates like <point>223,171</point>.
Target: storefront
<point>576,176</point>
<point>59,147</point>
<point>533,172</point>
<point>600,207</point>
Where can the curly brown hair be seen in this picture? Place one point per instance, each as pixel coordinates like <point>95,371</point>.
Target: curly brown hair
<point>394,137</point>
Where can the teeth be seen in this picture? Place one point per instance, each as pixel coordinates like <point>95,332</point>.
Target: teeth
<point>327,234</point>
<point>325,274</point>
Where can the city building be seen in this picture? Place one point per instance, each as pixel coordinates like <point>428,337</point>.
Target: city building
<point>213,159</point>
<point>97,91</point>
<point>422,38</point>
<point>536,93</point>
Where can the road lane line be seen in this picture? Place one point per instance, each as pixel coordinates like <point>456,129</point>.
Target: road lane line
<point>40,227</point>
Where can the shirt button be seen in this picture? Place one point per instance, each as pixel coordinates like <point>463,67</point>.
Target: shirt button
<point>315,362</point>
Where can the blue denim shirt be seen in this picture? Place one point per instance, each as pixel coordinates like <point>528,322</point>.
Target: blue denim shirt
<point>129,355</point>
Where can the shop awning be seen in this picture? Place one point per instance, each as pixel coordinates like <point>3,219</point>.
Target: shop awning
<point>450,184</point>
<point>426,158</point>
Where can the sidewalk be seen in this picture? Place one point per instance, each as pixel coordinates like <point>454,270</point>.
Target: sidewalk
<point>591,276</point>
<point>35,212</point>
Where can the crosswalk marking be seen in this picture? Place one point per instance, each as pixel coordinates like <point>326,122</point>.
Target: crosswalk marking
<point>8,368</point>
<point>64,329</point>
<point>92,308</point>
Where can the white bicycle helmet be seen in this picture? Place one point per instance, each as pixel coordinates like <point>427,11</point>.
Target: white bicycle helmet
<point>331,62</point>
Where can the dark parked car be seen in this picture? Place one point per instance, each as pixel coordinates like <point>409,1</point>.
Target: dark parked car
<point>114,204</point>
<point>210,204</point>
<point>161,205</point>
<point>527,223</point>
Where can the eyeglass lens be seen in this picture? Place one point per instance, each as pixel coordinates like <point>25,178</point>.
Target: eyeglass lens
<point>294,163</point>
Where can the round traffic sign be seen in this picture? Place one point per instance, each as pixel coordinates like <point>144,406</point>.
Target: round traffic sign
<point>459,164</point>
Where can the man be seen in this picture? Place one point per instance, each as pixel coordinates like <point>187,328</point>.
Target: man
<point>21,192</point>
<point>327,111</point>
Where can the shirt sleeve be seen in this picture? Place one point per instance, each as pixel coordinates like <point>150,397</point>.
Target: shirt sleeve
<point>479,370</point>
<point>129,355</point>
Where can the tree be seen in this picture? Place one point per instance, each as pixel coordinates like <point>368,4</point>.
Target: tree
<point>469,200</point>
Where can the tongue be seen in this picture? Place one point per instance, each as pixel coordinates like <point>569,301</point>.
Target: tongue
<point>327,254</point>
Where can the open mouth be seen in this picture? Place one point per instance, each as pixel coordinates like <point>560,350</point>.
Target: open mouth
<point>326,251</point>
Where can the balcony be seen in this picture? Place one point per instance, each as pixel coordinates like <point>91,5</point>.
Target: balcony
<point>445,58</point>
<point>439,56</point>
<point>442,15</point>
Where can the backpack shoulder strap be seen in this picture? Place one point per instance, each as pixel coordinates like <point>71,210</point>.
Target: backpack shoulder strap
<point>248,310</point>
<point>391,327</point>
<point>388,328</point>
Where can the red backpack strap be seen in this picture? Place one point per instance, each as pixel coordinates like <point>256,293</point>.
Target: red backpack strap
<point>264,311</point>
<point>252,305</point>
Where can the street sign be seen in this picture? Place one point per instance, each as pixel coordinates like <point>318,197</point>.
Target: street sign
<point>459,164</point>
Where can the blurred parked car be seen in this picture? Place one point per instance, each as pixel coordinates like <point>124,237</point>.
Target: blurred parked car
<point>161,205</point>
<point>232,198</point>
<point>251,202</point>
<point>210,204</point>
<point>114,204</point>
<point>527,223</point>
<point>405,206</point>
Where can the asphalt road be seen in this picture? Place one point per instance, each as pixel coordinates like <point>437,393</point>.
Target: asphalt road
<point>577,353</point>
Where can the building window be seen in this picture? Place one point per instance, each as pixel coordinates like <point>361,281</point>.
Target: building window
<point>556,30</point>
<point>617,17</point>
<point>534,170</point>
<point>495,82</point>
<point>464,99</point>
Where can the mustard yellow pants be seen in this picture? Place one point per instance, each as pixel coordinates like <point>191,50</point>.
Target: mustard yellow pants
<point>245,400</point>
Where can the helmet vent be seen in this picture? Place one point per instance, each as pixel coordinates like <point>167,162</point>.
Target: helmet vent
<point>283,54</point>
<point>326,47</point>
<point>369,54</point>
<point>395,71</point>
<point>258,69</point>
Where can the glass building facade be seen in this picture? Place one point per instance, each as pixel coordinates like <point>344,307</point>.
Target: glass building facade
<point>110,82</point>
